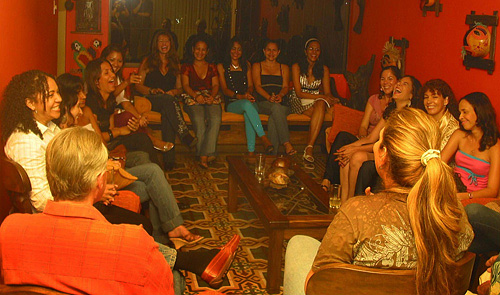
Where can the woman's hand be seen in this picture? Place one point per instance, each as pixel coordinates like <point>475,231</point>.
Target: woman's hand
<point>249,97</point>
<point>134,78</point>
<point>332,100</point>
<point>344,154</point>
<point>209,99</point>
<point>156,91</point>
<point>143,121</point>
<point>199,99</point>
<point>133,124</point>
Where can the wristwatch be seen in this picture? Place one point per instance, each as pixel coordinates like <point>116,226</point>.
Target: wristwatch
<point>470,195</point>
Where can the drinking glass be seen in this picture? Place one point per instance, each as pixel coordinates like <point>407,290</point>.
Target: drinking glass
<point>334,195</point>
<point>260,167</point>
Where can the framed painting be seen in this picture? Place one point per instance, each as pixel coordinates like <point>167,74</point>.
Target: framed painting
<point>88,16</point>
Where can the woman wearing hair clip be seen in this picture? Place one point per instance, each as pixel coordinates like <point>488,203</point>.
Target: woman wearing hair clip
<point>406,226</point>
<point>235,77</point>
<point>311,95</point>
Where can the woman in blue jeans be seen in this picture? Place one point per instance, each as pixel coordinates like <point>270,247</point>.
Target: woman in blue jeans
<point>486,225</point>
<point>151,185</point>
<point>271,80</point>
<point>202,103</point>
<point>237,85</point>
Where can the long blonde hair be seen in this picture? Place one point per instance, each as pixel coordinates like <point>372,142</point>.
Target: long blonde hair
<point>432,203</point>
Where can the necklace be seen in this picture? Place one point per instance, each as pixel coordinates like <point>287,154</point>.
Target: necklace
<point>235,67</point>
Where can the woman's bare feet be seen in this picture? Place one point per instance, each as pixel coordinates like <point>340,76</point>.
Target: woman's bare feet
<point>268,146</point>
<point>289,150</point>
<point>183,233</point>
<point>325,185</point>
<point>204,162</point>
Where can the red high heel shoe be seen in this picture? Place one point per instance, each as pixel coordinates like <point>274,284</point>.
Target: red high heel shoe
<point>217,268</point>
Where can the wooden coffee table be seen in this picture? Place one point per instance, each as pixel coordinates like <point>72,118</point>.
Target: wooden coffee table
<point>301,208</point>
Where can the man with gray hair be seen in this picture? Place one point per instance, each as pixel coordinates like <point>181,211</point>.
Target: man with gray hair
<point>72,248</point>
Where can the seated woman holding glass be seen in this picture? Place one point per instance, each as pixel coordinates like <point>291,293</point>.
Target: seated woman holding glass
<point>416,222</point>
<point>235,77</point>
<point>200,81</point>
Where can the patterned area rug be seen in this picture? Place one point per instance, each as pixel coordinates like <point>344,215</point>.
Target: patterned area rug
<point>206,192</point>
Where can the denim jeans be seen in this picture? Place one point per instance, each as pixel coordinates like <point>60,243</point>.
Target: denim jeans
<point>277,126</point>
<point>170,256</point>
<point>299,257</point>
<point>152,186</point>
<point>206,121</point>
<point>486,225</point>
<point>253,125</point>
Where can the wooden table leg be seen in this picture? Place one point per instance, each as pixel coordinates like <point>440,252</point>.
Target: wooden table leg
<point>232,199</point>
<point>274,259</point>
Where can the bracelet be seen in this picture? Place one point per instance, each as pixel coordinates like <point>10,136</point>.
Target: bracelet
<point>470,195</point>
<point>110,133</point>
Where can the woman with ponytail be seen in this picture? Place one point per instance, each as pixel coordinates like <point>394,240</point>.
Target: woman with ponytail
<point>415,223</point>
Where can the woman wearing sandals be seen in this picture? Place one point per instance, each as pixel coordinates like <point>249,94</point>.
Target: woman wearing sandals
<point>311,95</point>
<point>200,81</point>
<point>237,85</point>
<point>114,54</point>
<point>271,86</point>
<point>160,83</point>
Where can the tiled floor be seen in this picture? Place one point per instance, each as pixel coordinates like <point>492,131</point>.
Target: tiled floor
<point>206,192</point>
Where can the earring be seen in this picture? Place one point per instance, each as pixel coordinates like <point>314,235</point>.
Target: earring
<point>36,112</point>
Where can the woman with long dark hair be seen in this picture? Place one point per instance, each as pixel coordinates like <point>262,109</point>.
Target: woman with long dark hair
<point>476,147</point>
<point>311,93</point>
<point>235,75</point>
<point>161,83</point>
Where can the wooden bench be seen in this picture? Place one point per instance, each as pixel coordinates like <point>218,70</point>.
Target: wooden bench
<point>232,131</point>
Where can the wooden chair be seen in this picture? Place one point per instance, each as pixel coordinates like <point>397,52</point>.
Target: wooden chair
<point>348,279</point>
<point>18,186</point>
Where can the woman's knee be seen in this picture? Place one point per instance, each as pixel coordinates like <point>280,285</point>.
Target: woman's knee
<point>475,212</point>
<point>357,159</point>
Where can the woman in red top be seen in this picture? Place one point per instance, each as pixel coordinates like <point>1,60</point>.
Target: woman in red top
<point>201,84</point>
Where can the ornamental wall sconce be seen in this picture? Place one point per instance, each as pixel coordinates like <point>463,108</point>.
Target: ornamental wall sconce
<point>431,5</point>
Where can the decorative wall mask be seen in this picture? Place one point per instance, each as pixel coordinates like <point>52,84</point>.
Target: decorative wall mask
<point>391,56</point>
<point>477,41</point>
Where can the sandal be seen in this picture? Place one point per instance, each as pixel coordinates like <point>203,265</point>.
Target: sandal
<point>181,242</point>
<point>165,148</point>
<point>308,158</point>
<point>291,151</point>
<point>325,186</point>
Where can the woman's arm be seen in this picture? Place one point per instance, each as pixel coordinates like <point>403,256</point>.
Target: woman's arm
<point>257,82</point>
<point>451,146</point>
<point>222,79</point>
<point>363,128</point>
<point>143,71</point>
<point>491,191</point>
<point>286,82</point>
<point>87,113</point>
<point>189,91</point>
<point>215,85</point>
<point>129,107</point>
<point>178,87</point>
<point>249,80</point>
